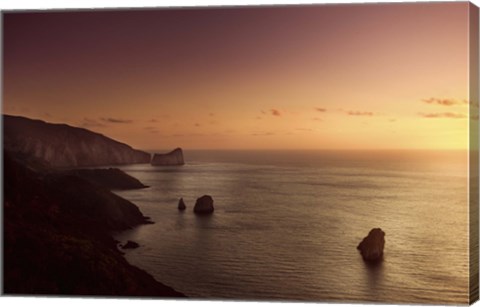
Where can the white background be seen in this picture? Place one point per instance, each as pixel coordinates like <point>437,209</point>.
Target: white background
<point>71,302</point>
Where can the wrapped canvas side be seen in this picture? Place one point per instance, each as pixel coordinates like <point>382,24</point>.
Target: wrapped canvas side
<point>473,161</point>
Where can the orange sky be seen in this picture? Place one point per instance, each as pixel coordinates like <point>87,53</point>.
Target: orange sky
<point>311,77</point>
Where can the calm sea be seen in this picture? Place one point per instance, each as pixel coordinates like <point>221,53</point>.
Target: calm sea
<point>287,223</point>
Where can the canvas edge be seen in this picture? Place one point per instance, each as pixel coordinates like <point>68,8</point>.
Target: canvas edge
<point>473,56</point>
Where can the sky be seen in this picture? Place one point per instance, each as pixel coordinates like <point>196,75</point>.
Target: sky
<point>391,76</point>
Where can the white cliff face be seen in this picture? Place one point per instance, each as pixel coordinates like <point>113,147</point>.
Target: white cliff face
<point>65,146</point>
<point>175,157</point>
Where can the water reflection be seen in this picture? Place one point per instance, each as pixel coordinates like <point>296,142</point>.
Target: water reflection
<point>374,272</point>
<point>203,221</point>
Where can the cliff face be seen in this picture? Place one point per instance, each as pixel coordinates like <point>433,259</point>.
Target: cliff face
<point>175,157</point>
<point>112,178</point>
<point>57,237</point>
<point>64,146</point>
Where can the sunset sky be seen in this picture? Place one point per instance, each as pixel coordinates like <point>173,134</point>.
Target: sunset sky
<point>391,76</point>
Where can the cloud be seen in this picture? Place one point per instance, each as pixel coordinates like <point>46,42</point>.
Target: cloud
<point>116,120</point>
<point>442,115</point>
<point>187,135</point>
<point>89,123</point>
<point>321,109</point>
<point>317,118</point>
<point>304,129</point>
<point>275,112</point>
<point>263,134</point>
<point>153,120</point>
<point>151,129</point>
<point>444,101</point>
<point>211,114</point>
<point>197,125</point>
<point>359,113</point>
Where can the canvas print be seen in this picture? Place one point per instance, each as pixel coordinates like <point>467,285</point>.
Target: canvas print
<point>321,153</point>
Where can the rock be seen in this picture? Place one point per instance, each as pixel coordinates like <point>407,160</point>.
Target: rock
<point>181,205</point>
<point>75,253</point>
<point>111,178</point>
<point>372,245</point>
<point>175,157</point>
<point>130,244</point>
<point>204,205</point>
<point>62,145</point>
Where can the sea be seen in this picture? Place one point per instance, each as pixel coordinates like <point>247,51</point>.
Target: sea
<point>287,223</point>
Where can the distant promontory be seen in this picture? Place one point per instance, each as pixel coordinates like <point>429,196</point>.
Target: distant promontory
<point>175,157</point>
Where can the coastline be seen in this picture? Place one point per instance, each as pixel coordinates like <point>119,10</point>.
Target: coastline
<point>58,237</point>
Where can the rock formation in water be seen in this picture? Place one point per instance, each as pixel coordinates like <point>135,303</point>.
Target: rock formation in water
<point>62,145</point>
<point>181,205</point>
<point>372,245</point>
<point>130,245</point>
<point>175,157</point>
<point>111,178</point>
<point>57,237</point>
<point>204,205</point>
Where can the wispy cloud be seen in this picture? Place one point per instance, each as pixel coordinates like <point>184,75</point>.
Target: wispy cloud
<point>304,129</point>
<point>187,135</point>
<point>153,120</point>
<point>444,101</point>
<point>321,109</point>
<point>263,134</point>
<point>442,115</point>
<point>91,123</point>
<point>359,113</point>
<point>116,120</point>
<point>151,129</point>
<point>275,112</point>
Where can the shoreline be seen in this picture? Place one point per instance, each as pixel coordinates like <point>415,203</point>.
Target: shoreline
<point>58,237</point>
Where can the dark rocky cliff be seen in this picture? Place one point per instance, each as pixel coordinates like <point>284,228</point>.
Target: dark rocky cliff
<point>57,238</point>
<point>65,146</point>
<point>111,178</point>
<point>175,157</point>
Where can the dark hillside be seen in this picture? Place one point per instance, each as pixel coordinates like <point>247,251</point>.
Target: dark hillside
<point>57,237</point>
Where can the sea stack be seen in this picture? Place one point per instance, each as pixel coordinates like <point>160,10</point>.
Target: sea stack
<point>372,245</point>
<point>204,205</point>
<point>175,157</point>
<point>181,205</point>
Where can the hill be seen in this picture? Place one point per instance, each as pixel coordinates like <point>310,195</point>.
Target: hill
<point>61,145</point>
